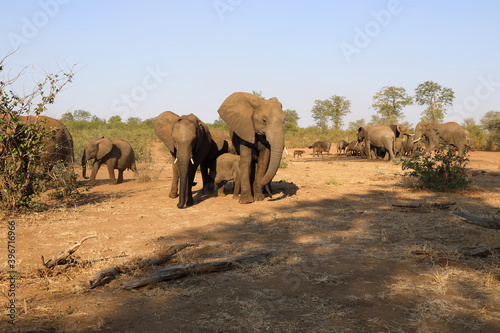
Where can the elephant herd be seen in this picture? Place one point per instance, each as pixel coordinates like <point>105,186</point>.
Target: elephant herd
<point>256,139</point>
<point>381,141</point>
<point>250,156</point>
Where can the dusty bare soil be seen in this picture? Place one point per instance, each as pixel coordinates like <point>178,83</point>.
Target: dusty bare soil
<point>348,261</point>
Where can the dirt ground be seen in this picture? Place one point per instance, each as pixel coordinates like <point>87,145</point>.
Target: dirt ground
<point>348,260</point>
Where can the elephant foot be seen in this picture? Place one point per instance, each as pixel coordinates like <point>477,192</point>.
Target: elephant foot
<point>172,195</point>
<point>236,196</point>
<point>245,199</point>
<point>259,196</point>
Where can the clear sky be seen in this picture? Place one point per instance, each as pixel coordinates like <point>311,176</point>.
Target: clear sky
<point>140,58</point>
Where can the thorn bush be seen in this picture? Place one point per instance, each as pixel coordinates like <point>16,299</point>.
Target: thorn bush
<point>439,170</point>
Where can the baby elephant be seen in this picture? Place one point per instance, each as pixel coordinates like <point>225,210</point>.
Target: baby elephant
<point>228,169</point>
<point>298,153</point>
<point>116,154</point>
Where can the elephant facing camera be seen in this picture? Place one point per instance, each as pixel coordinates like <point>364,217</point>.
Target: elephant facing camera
<point>115,154</point>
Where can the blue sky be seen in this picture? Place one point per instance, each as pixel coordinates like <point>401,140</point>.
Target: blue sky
<point>140,58</point>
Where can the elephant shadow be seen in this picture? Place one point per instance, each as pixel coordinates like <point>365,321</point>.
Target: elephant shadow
<point>282,189</point>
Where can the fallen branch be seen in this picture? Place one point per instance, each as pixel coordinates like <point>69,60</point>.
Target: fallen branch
<point>442,206</point>
<point>161,257</point>
<point>61,257</point>
<point>177,272</point>
<point>481,250</point>
<point>485,222</point>
<point>407,206</point>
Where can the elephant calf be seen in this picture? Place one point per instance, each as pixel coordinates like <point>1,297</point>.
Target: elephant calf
<point>116,154</point>
<point>227,169</point>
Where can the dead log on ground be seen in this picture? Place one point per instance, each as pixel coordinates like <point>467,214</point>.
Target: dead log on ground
<point>481,250</point>
<point>485,222</point>
<point>62,257</point>
<point>442,206</point>
<point>177,272</point>
<point>161,257</point>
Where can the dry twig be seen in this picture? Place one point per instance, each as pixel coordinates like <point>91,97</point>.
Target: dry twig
<point>61,257</point>
<point>177,272</point>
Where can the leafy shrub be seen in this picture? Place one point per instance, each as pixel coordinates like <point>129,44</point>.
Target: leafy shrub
<point>438,170</point>
<point>62,180</point>
<point>283,163</point>
<point>23,170</point>
<point>333,181</point>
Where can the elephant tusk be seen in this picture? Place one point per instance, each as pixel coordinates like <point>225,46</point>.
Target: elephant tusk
<point>286,151</point>
<point>192,161</point>
<point>175,161</point>
<point>415,141</point>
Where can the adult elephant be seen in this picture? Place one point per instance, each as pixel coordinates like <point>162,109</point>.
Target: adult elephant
<point>380,137</point>
<point>190,143</point>
<point>115,154</point>
<point>447,133</point>
<point>58,145</point>
<point>256,129</point>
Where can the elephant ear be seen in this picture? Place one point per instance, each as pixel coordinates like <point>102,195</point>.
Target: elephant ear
<point>403,130</point>
<point>163,128</point>
<point>237,111</point>
<point>104,147</point>
<point>203,132</point>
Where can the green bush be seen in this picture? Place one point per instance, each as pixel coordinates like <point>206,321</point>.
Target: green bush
<point>438,170</point>
<point>23,170</point>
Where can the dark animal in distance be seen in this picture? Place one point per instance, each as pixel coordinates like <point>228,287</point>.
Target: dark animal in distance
<point>298,153</point>
<point>320,147</point>
<point>341,146</point>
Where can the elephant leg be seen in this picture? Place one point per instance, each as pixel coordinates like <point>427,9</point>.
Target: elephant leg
<point>260,171</point>
<point>175,182</point>
<point>111,172</point>
<point>237,187</point>
<point>120,176</point>
<point>220,191</point>
<point>245,167</point>
<point>95,167</point>
<point>191,174</point>
<point>208,184</point>
<point>368,149</point>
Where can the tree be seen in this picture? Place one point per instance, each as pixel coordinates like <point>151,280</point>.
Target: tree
<point>320,114</point>
<point>436,97</point>
<point>341,106</point>
<point>115,120</point>
<point>291,120</point>
<point>354,125</point>
<point>22,169</point>
<point>491,124</point>
<point>475,131</point>
<point>258,93</point>
<point>82,115</point>
<point>220,125</point>
<point>389,103</point>
<point>133,121</point>
<point>333,108</point>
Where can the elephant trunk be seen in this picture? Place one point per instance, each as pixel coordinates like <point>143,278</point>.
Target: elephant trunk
<point>84,166</point>
<point>277,142</point>
<point>183,162</point>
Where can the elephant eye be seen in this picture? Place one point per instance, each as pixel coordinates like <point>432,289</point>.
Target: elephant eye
<point>264,120</point>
